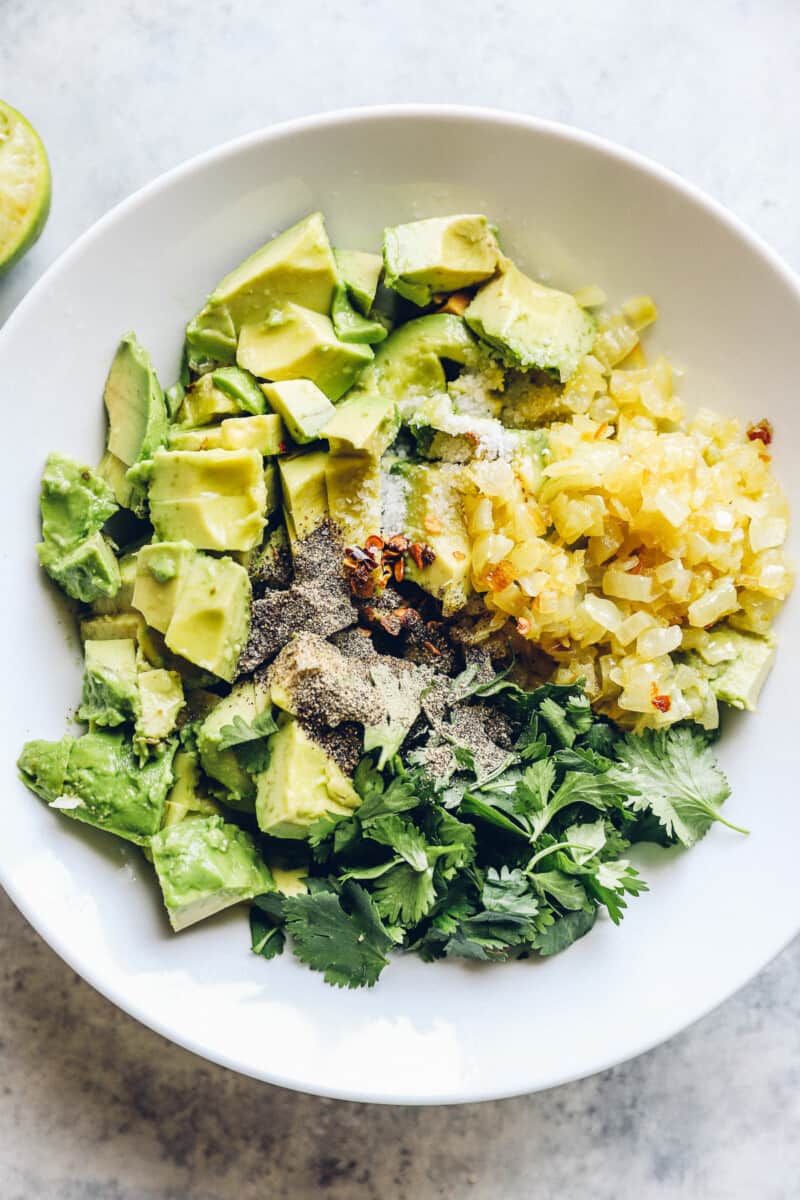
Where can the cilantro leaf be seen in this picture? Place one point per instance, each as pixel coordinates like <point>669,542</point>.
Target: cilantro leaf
<point>490,936</point>
<point>610,884</point>
<point>676,777</point>
<point>403,837</point>
<point>404,793</point>
<point>349,947</point>
<point>249,742</point>
<point>507,891</point>
<point>564,931</point>
<point>566,892</point>
<point>267,936</point>
<point>405,894</point>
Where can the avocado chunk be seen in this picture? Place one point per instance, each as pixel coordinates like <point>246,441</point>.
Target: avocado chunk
<point>110,689</point>
<point>289,881</point>
<point>246,701</point>
<point>360,272</point>
<point>210,338</point>
<point>296,266</point>
<point>206,437</point>
<point>74,501</point>
<point>211,619</point>
<point>123,598</point>
<point>87,572</point>
<point>137,415</point>
<point>435,518</point>
<point>99,779</point>
<point>272,487</point>
<point>410,360</point>
<point>313,680</point>
<point>187,796</point>
<point>440,254</point>
<point>205,865</point>
<point>204,402</point>
<point>532,326</point>
<point>264,433</point>
<point>270,565</point>
<point>353,483</point>
<point>43,766</point>
<point>113,627</point>
<point>241,386</point>
<point>298,343</point>
<point>160,574</point>
<point>362,424</point>
<point>214,499</point>
<point>348,323</point>
<point>736,664</point>
<point>301,404</point>
<point>115,473</point>
<point>305,496</point>
<point>300,785</point>
<point>160,701</point>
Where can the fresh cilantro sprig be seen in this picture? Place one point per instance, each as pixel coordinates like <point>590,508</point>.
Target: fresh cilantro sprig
<point>249,742</point>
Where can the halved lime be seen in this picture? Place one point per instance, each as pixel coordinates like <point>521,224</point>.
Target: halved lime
<point>24,186</point>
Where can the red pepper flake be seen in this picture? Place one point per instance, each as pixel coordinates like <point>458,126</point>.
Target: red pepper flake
<point>432,525</point>
<point>429,646</point>
<point>760,432</point>
<point>459,555</point>
<point>662,702</point>
<point>499,577</point>
<point>422,555</point>
<point>283,448</point>
<point>399,570</point>
<point>523,626</point>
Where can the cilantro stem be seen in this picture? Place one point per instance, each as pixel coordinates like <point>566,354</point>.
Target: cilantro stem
<point>552,849</point>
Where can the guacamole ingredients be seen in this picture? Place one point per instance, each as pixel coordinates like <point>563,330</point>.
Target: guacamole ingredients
<point>408,608</point>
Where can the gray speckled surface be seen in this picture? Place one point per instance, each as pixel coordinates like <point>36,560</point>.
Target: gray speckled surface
<point>92,1106</point>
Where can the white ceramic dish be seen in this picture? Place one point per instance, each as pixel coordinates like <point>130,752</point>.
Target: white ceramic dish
<point>575,210</point>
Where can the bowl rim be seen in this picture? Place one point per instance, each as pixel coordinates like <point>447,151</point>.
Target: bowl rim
<point>265,136</point>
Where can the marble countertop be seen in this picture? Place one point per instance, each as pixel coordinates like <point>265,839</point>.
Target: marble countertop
<point>94,1107</point>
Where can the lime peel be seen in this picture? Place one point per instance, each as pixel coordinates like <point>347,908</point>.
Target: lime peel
<point>24,186</point>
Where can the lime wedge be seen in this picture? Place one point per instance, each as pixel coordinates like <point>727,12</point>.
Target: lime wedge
<point>24,186</point>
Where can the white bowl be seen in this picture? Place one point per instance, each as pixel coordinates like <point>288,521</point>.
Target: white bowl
<point>573,210</point>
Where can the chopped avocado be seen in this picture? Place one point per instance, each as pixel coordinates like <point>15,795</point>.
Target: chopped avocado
<point>204,402</point>
<point>264,433</point>
<point>530,324</point>
<point>350,325</point>
<point>122,600</point>
<point>241,386</point>
<point>289,881</point>
<point>43,766</point>
<point>435,518</point>
<point>160,701</point>
<point>246,701</point>
<point>86,572</point>
<point>207,437</point>
<point>115,473</point>
<point>409,361</point>
<point>110,691</point>
<point>360,272</point>
<point>353,483</point>
<point>187,797</point>
<point>313,680</point>
<point>214,499</point>
<point>205,865</point>
<point>160,573</point>
<point>113,626</point>
<point>300,785</point>
<point>211,621</point>
<point>137,415</point>
<point>210,337</point>
<point>304,493</point>
<point>74,501</point>
<point>103,783</point>
<point>736,664</point>
<point>301,404</point>
<point>272,487</point>
<point>271,564</point>
<point>362,424</point>
<point>296,266</point>
<point>298,343</point>
<point>440,254</point>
